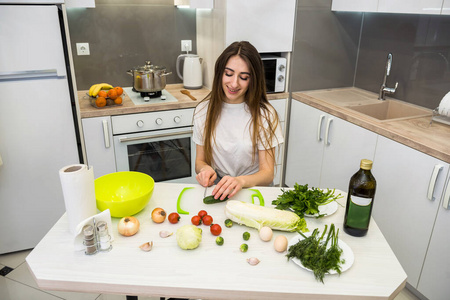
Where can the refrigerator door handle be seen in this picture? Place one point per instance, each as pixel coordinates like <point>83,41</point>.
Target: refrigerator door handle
<point>28,74</point>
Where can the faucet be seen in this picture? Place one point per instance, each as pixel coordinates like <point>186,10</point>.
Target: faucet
<point>384,89</point>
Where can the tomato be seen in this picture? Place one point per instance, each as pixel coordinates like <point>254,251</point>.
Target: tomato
<point>207,220</point>
<point>202,213</point>
<point>196,220</point>
<point>215,229</point>
<point>174,218</point>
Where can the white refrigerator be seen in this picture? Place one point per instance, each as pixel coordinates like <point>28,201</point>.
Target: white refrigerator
<point>38,122</point>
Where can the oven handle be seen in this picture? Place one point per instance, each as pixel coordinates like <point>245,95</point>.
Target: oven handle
<point>125,139</point>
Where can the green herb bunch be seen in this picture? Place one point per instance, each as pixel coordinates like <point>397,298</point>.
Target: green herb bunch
<point>319,255</point>
<point>303,200</point>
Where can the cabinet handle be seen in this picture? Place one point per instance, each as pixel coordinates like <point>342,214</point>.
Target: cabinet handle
<point>433,179</point>
<point>319,128</point>
<point>327,131</point>
<point>446,200</point>
<point>106,133</point>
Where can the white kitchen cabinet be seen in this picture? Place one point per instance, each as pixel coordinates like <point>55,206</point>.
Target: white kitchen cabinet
<point>99,145</point>
<point>323,150</point>
<point>434,279</point>
<point>403,210</point>
<point>267,24</point>
<point>410,6</point>
<point>280,106</point>
<point>355,5</point>
<point>393,6</point>
<point>446,7</point>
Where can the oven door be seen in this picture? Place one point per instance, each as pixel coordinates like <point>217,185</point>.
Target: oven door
<point>166,155</point>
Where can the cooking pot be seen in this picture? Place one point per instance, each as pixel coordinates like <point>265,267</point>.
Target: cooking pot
<point>149,78</point>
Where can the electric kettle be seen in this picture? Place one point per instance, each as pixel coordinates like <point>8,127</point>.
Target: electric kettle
<point>192,71</point>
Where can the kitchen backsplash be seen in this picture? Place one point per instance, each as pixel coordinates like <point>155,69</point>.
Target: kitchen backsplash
<point>331,49</point>
<point>124,34</point>
<point>339,49</point>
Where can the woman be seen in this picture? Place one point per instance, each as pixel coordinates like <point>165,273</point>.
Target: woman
<point>236,129</point>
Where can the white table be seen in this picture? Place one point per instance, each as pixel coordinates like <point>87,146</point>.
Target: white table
<point>211,271</point>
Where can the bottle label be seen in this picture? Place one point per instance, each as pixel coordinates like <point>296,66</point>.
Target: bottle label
<point>360,201</point>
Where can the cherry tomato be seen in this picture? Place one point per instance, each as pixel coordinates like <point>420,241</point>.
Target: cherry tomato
<point>202,213</point>
<point>174,218</point>
<point>207,220</point>
<point>196,220</point>
<point>215,229</point>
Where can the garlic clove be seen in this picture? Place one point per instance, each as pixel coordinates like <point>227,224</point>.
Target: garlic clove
<point>165,234</point>
<point>253,261</point>
<point>146,246</point>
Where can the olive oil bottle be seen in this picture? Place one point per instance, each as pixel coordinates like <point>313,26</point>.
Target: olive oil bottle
<point>361,192</point>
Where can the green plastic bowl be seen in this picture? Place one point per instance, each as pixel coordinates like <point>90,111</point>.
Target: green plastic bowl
<point>124,193</point>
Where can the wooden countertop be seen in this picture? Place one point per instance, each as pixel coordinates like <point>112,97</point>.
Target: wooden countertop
<point>211,271</point>
<point>416,133</point>
<point>128,107</point>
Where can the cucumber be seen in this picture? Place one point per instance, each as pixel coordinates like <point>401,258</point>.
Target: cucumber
<point>211,200</point>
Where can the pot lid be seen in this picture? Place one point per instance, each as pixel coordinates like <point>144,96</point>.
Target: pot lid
<point>149,68</point>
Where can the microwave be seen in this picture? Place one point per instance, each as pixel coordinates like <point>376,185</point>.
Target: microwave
<point>275,73</point>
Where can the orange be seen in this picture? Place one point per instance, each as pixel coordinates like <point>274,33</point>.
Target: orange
<point>102,93</point>
<point>119,90</point>
<point>118,100</point>
<point>112,94</point>
<point>100,101</point>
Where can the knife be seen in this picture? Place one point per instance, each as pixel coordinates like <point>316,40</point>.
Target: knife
<point>204,194</point>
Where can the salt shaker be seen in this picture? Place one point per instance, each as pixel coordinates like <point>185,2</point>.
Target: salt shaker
<point>89,240</point>
<point>103,236</point>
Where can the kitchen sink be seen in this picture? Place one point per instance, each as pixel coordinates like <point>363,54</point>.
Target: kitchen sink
<point>391,110</point>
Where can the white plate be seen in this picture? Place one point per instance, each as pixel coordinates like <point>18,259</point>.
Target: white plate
<point>347,254</point>
<point>326,210</point>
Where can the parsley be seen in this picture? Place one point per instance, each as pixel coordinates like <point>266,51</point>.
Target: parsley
<point>303,200</point>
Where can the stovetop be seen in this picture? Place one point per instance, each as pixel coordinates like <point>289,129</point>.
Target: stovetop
<point>139,100</point>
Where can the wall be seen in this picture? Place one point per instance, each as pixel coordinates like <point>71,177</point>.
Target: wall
<point>124,34</point>
<point>325,46</point>
<point>420,45</point>
<point>338,49</point>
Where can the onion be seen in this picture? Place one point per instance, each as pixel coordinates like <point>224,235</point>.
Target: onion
<point>158,215</point>
<point>128,226</point>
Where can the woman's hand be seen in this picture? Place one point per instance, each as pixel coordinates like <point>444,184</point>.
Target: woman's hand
<point>206,176</point>
<point>227,186</point>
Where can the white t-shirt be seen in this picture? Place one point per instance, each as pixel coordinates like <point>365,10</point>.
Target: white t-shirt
<point>232,153</point>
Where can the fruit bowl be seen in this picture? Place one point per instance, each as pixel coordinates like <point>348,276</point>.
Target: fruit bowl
<point>124,193</point>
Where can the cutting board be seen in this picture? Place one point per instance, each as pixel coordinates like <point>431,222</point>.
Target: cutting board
<point>190,199</point>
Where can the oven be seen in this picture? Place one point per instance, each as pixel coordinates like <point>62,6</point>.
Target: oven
<point>156,143</point>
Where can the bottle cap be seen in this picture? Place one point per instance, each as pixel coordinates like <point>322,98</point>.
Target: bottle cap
<point>366,164</point>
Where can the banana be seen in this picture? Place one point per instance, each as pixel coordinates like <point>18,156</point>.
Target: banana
<point>91,89</point>
<point>100,86</point>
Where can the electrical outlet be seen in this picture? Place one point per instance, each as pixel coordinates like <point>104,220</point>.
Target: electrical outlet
<point>83,49</point>
<point>186,45</point>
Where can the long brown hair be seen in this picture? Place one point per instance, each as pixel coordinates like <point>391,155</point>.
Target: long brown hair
<point>255,97</point>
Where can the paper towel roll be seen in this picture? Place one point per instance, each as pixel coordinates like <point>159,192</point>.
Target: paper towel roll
<point>444,105</point>
<point>78,188</point>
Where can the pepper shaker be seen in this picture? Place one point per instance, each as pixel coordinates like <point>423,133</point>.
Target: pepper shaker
<point>89,240</point>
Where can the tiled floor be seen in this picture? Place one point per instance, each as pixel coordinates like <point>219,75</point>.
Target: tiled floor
<point>19,284</point>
